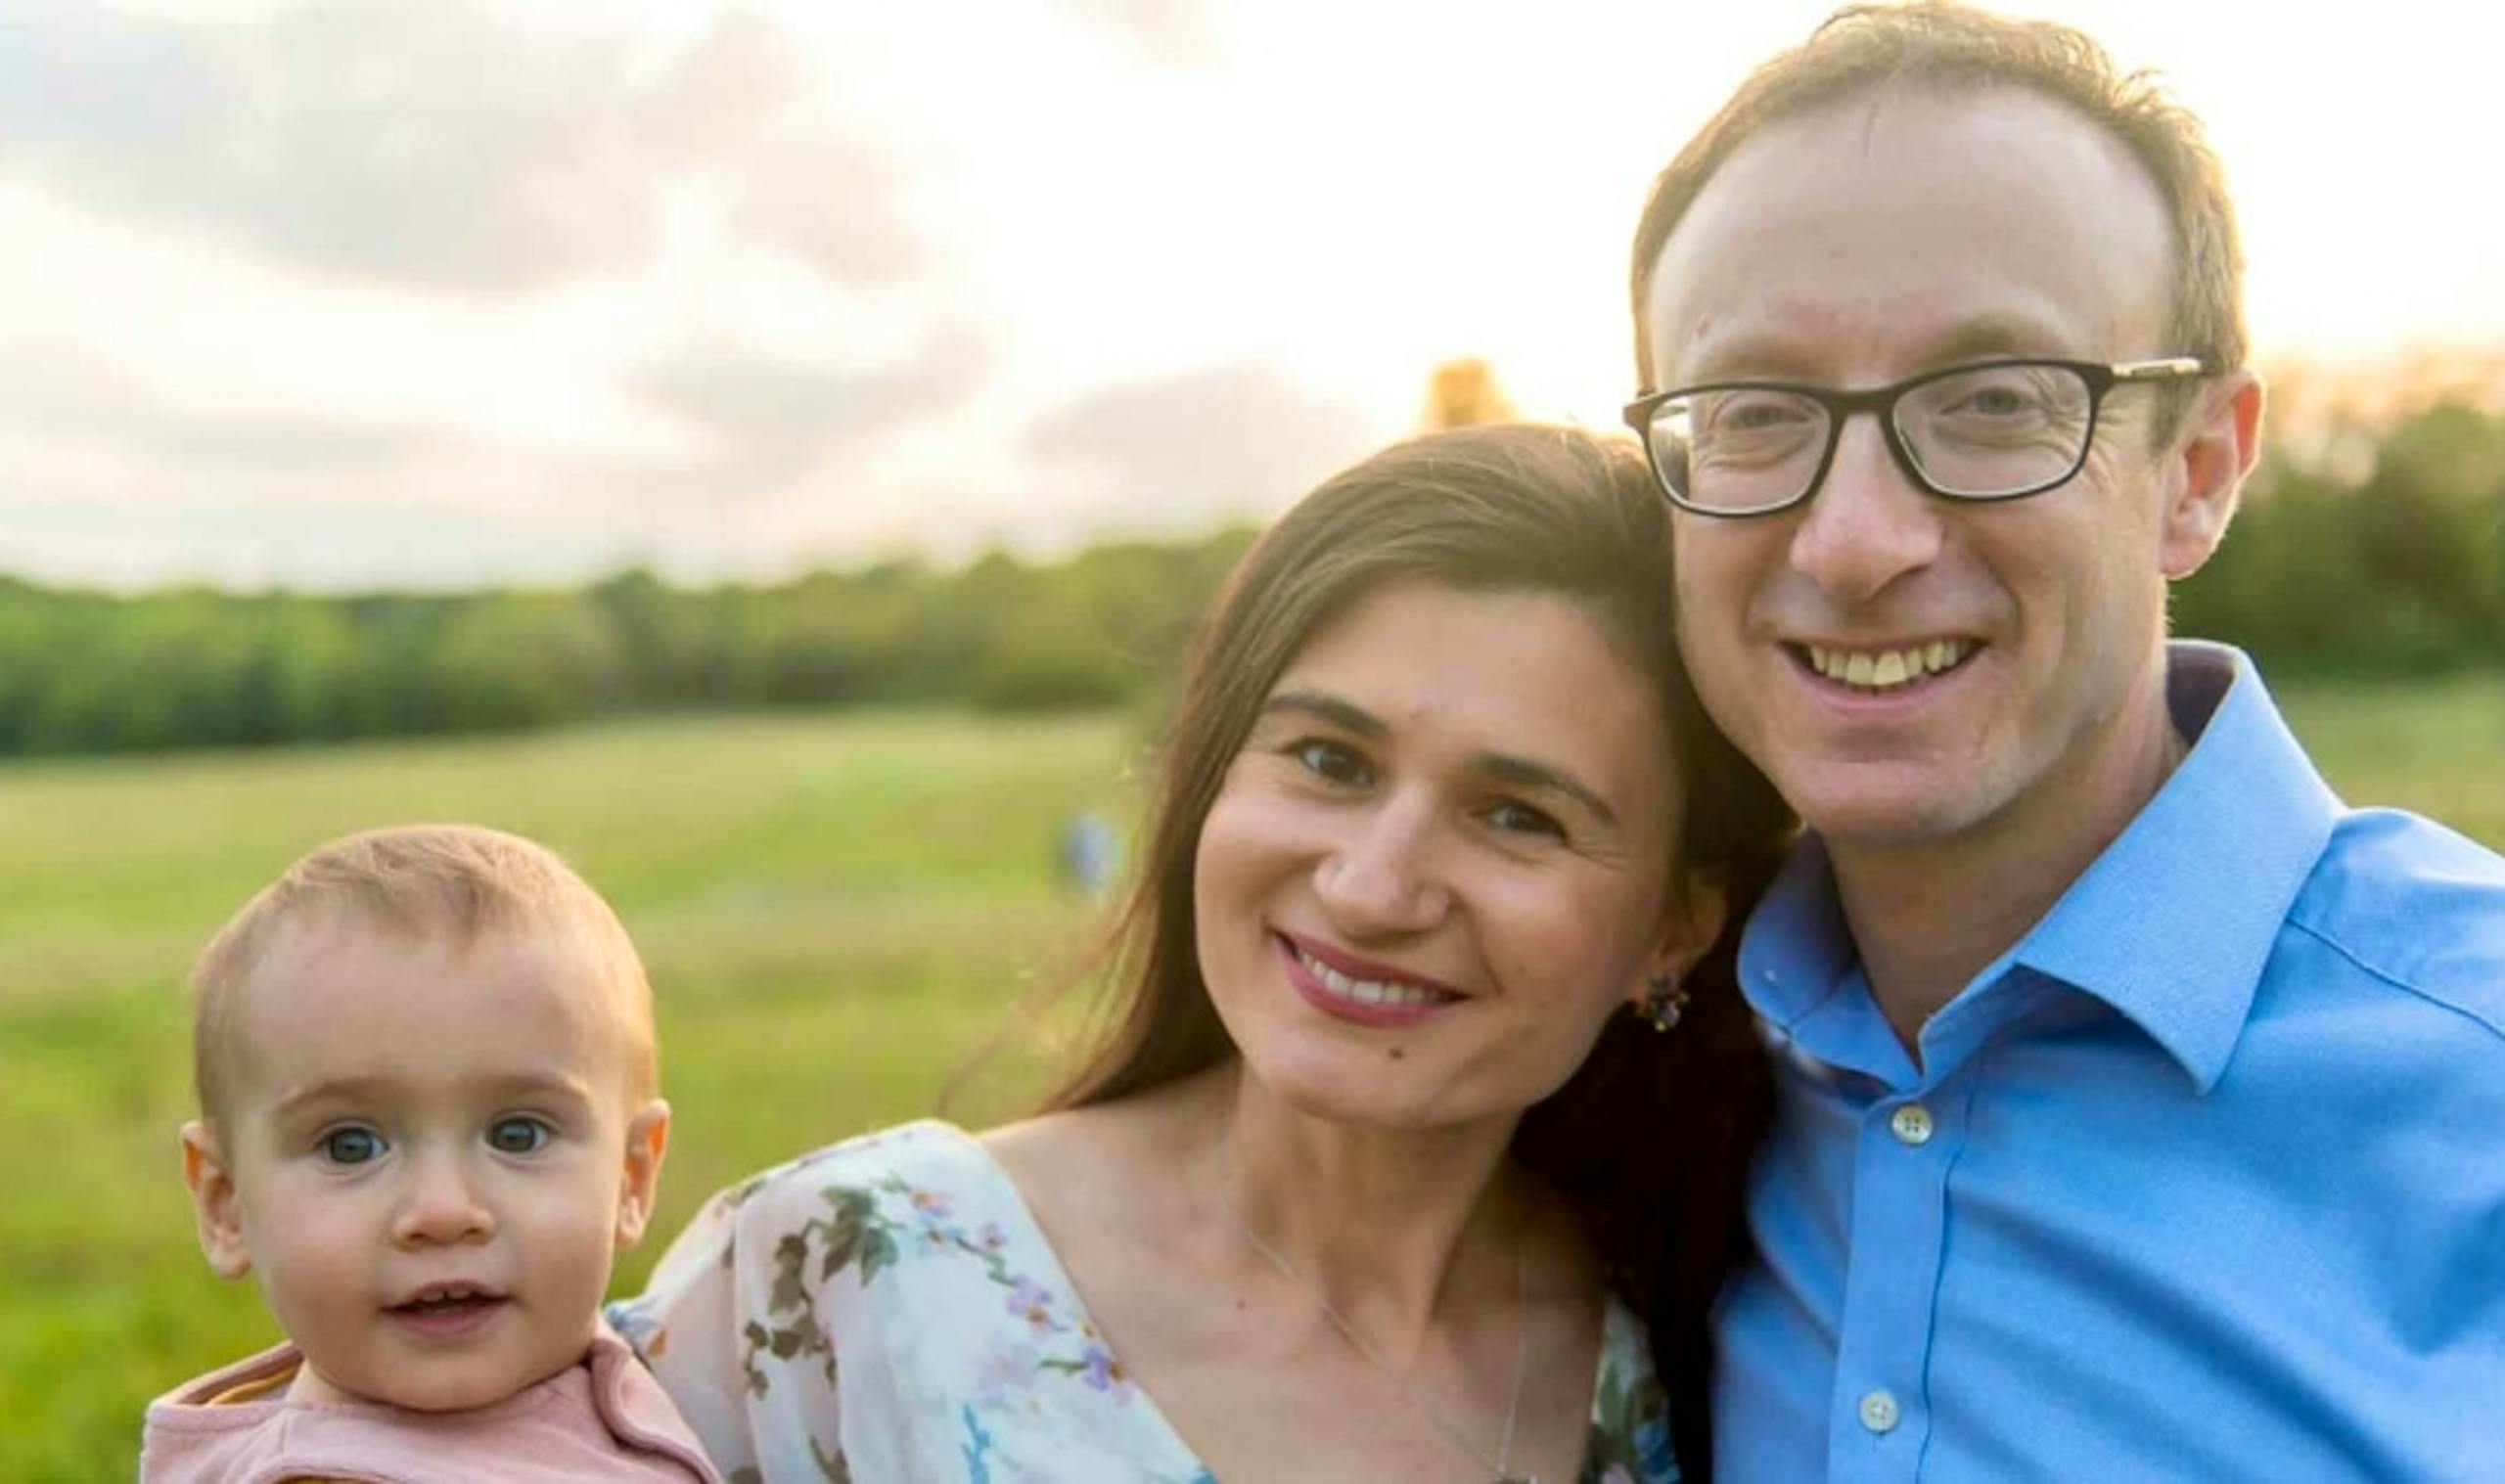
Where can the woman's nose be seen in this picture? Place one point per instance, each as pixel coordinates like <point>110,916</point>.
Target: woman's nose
<point>441,1205</point>
<point>1383,876</point>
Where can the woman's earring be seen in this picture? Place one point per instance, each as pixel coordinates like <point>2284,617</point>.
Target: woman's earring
<point>1664,1001</point>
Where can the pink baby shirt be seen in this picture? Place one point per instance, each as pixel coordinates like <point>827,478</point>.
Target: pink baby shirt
<point>603,1419</point>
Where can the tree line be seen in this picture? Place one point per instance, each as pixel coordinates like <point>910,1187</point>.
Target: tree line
<point>2353,552</point>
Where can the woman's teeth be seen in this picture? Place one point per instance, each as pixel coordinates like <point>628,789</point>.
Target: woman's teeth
<point>1888,669</point>
<point>1367,991</point>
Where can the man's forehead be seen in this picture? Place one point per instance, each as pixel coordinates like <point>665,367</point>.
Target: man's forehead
<point>1894,231</point>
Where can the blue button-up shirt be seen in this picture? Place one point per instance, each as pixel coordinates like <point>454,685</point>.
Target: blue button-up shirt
<point>2204,1178</point>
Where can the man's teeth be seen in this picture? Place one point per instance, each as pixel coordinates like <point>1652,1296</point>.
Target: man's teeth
<point>1366,991</point>
<point>1885,669</point>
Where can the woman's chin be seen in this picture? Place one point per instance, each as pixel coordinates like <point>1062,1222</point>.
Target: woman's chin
<point>1376,1094</point>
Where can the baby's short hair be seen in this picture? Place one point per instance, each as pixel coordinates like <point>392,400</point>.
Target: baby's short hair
<point>460,882</point>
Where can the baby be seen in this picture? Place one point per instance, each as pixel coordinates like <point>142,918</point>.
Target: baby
<point>427,1121</point>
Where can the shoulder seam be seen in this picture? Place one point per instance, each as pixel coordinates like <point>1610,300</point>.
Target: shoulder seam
<point>2493,1026</point>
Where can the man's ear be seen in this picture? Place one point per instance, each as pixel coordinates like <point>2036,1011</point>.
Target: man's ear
<point>640,1178</point>
<point>216,1207</point>
<point>1694,919</point>
<point>2222,438</point>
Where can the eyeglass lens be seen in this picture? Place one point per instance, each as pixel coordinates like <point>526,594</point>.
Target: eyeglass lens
<point>1992,431</point>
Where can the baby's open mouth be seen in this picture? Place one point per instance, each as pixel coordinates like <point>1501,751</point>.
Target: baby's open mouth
<point>447,1300</point>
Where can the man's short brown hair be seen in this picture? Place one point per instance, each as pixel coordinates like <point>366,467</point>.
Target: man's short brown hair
<point>1864,50</point>
<point>455,882</point>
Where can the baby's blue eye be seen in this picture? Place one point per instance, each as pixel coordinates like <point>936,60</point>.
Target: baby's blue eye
<point>351,1146</point>
<point>517,1136</point>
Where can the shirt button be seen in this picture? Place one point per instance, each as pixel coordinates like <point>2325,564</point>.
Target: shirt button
<point>1879,1411</point>
<point>1911,1125</point>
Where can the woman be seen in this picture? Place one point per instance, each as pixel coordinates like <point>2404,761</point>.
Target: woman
<point>1371,1173</point>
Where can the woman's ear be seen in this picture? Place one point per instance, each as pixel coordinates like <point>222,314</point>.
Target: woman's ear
<point>217,1208</point>
<point>1692,922</point>
<point>639,1179</point>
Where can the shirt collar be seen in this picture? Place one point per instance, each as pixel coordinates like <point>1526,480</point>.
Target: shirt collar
<point>2170,925</point>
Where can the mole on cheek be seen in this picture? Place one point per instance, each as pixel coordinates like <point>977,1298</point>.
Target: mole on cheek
<point>1395,1054</point>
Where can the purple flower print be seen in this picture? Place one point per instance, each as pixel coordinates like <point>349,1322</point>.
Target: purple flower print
<point>1028,1300</point>
<point>1104,1373</point>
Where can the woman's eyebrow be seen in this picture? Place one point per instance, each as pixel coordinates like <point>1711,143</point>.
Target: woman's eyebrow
<point>1523,772</point>
<point>1325,707</point>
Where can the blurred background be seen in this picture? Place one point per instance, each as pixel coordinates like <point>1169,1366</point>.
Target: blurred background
<point>774,453</point>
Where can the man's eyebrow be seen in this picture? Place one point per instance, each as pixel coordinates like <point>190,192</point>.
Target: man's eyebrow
<point>1525,773</point>
<point>1325,706</point>
<point>1999,334</point>
<point>1765,356</point>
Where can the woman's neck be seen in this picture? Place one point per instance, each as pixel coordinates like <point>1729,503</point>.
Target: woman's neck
<point>1392,1229</point>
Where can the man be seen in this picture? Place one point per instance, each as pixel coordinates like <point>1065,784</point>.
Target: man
<point>2141,1108</point>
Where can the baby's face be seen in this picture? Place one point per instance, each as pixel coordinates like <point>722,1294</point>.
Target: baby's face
<point>431,1154</point>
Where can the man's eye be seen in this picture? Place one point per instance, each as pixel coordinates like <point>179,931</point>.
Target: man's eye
<point>1521,818</point>
<point>1330,760</point>
<point>1998,402</point>
<point>1742,413</point>
<point>351,1146</point>
<point>518,1136</point>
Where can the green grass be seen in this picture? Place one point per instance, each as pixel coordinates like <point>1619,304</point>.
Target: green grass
<point>835,912</point>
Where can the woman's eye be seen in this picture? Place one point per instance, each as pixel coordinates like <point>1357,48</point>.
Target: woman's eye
<point>1521,818</point>
<point>351,1146</point>
<point>518,1136</point>
<point>1330,760</point>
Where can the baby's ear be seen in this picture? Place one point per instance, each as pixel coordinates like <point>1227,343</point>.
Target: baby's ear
<point>216,1207</point>
<point>647,1141</point>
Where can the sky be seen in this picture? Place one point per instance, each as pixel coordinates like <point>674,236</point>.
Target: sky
<point>358,294</point>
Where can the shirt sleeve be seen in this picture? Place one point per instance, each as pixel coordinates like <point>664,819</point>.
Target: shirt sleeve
<point>732,1325</point>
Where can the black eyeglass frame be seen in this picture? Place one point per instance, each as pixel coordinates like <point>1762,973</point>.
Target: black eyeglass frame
<point>2101,377</point>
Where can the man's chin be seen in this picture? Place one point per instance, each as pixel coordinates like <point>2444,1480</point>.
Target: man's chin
<point>1886,811</point>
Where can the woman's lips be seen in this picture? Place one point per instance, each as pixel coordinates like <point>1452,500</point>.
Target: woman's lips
<point>1356,989</point>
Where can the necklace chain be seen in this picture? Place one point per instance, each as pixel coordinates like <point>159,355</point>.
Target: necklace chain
<point>1498,1466</point>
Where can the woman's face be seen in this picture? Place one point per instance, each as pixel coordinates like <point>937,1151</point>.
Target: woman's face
<point>1442,859</point>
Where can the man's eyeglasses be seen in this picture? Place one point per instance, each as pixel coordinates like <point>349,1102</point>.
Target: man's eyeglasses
<point>1986,430</point>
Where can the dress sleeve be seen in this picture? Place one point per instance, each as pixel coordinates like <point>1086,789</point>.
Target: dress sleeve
<point>732,1325</point>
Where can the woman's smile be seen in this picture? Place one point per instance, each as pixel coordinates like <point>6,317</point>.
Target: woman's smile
<point>1329,980</point>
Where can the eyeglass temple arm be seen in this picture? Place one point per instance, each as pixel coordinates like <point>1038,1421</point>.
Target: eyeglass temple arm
<point>2163,370</point>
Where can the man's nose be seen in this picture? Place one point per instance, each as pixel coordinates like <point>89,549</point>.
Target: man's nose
<point>1869,524</point>
<point>441,1203</point>
<point>1383,878</point>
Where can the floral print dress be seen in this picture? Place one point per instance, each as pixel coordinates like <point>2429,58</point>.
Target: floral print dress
<point>888,1309</point>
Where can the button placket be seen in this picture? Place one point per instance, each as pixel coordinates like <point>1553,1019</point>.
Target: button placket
<point>1897,1234</point>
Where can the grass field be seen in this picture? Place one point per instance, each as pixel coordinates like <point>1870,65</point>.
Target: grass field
<point>835,912</point>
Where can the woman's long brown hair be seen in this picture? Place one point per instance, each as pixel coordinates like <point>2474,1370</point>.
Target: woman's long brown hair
<point>1649,1138</point>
